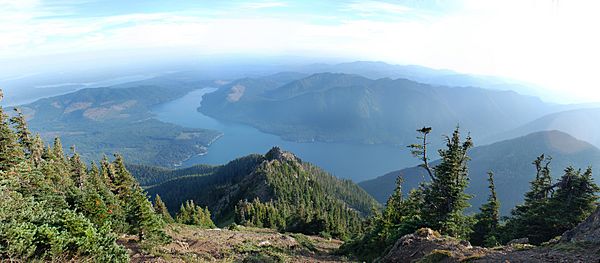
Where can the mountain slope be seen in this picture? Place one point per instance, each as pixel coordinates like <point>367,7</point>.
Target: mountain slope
<point>511,162</point>
<point>581,123</point>
<point>103,121</point>
<point>342,107</point>
<point>443,77</point>
<point>279,179</point>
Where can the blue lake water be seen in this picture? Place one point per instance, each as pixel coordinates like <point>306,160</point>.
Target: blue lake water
<point>353,161</point>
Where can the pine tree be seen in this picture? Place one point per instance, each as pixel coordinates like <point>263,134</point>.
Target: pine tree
<point>23,134</point>
<point>122,180</point>
<point>485,231</point>
<point>11,152</point>
<point>191,214</point>
<point>37,150</point>
<point>161,209</point>
<point>445,197</point>
<point>78,169</point>
<point>573,201</point>
<point>531,218</point>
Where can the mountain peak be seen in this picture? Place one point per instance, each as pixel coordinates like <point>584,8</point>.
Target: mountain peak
<point>276,153</point>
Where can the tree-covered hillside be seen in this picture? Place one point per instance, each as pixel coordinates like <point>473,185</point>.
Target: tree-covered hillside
<point>53,207</point>
<point>274,190</point>
<point>509,160</point>
<point>343,107</point>
<point>102,121</point>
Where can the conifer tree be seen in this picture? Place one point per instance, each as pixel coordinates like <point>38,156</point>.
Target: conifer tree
<point>445,198</point>
<point>531,218</point>
<point>161,209</point>
<point>485,231</point>
<point>191,214</point>
<point>11,152</point>
<point>574,199</point>
<point>23,134</point>
<point>37,150</point>
<point>78,169</point>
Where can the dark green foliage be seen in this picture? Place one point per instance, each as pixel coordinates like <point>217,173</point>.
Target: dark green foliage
<point>509,161</point>
<point>52,208</point>
<point>161,210</point>
<point>438,204</point>
<point>148,175</point>
<point>445,198</point>
<point>485,231</point>
<point>551,209</point>
<point>191,214</point>
<point>276,190</point>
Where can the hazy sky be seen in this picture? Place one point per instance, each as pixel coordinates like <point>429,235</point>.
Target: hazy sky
<point>551,43</point>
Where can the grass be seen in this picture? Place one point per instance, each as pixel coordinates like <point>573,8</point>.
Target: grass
<point>305,242</point>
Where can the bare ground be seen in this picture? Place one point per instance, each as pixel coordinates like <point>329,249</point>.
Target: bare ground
<point>192,244</point>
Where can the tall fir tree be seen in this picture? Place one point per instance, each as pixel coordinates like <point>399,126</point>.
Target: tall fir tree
<point>161,209</point>
<point>530,219</point>
<point>485,231</point>
<point>191,214</point>
<point>574,199</point>
<point>444,198</point>
<point>23,134</point>
<point>11,152</point>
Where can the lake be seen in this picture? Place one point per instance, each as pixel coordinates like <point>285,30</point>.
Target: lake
<point>352,161</point>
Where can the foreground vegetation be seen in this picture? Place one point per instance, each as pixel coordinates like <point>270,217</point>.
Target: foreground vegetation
<point>550,207</point>
<point>54,207</point>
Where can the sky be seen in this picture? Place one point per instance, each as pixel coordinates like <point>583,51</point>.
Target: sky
<point>551,43</point>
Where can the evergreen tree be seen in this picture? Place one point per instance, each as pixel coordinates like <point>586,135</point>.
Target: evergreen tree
<point>573,201</point>
<point>531,218</point>
<point>445,198</point>
<point>11,152</point>
<point>485,231</point>
<point>78,169</point>
<point>191,214</point>
<point>23,134</point>
<point>37,150</point>
<point>161,209</point>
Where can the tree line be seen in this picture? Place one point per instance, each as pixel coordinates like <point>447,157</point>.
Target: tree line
<point>550,207</point>
<point>54,207</point>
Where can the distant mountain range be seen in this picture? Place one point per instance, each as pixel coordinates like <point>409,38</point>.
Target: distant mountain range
<point>436,77</point>
<point>510,160</point>
<point>583,124</point>
<point>351,108</point>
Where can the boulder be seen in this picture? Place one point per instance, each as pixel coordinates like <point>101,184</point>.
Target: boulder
<point>586,231</point>
<point>518,241</point>
<point>426,243</point>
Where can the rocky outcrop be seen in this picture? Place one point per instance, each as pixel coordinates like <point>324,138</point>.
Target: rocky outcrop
<point>428,244</point>
<point>277,153</point>
<point>586,231</point>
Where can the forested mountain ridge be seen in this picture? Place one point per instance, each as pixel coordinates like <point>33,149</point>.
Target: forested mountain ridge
<point>350,108</point>
<point>298,196</point>
<point>510,160</point>
<point>101,121</point>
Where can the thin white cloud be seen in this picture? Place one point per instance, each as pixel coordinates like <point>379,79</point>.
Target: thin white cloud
<point>374,8</point>
<point>537,41</point>
<point>261,5</point>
